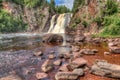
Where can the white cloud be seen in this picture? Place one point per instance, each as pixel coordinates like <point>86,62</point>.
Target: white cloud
<point>67,3</point>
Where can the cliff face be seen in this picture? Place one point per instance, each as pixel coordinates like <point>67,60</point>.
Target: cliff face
<point>86,14</point>
<point>36,17</point>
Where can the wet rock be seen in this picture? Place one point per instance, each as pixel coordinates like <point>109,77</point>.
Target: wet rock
<point>75,48</point>
<point>79,38</point>
<point>112,44</point>
<point>79,62</point>
<point>87,52</point>
<point>40,76</point>
<point>11,77</point>
<point>66,76</point>
<point>94,50</point>
<point>40,53</point>
<point>106,53</point>
<point>64,68</point>
<point>96,40</point>
<point>79,71</point>
<point>47,66</point>
<point>58,62</point>
<point>67,56</point>
<point>51,38</point>
<point>103,68</point>
<point>61,56</point>
<point>51,56</point>
<point>115,50</point>
<point>77,54</point>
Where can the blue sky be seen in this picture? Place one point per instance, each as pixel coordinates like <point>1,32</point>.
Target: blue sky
<point>67,3</point>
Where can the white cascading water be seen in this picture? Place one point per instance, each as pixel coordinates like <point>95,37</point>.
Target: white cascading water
<point>58,25</point>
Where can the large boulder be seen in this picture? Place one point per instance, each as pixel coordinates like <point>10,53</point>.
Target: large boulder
<point>103,68</point>
<point>78,62</point>
<point>115,49</point>
<point>51,38</point>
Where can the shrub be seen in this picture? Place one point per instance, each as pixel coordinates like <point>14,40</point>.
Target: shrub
<point>10,24</point>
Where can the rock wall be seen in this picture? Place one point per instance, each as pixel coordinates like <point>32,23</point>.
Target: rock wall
<point>36,18</point>
<point>87,13</point>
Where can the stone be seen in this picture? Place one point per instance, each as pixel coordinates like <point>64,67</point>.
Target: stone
<point>61,56</point>
<point>79,62</point>
<point>47,66</point>
<point>51,56</point>
<point>75,48</point>
<point>106,53</point>
<point>52,38</point>
<point>87,52</point>
<point>79,38</point>
<point>11,77</point>
<point>40,76</point>
<point>66,76</point>
<point>57,62</point>
<point>112,44</point>
<point>103,68</point>
<point>79,71</point>
<point>115,50</point>
<point>94,50</point>
<point>64,68</point>
<point>77,54</point>
<point>40,53</point>
<point>67,55</point>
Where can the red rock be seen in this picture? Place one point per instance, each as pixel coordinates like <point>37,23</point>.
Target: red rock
<point>64,68</point>
<point>47,66</point>
<point>58,62</point>
<point>41,75</point>
<point>79,62</point>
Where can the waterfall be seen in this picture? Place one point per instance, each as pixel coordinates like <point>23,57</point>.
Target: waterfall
<point>58,25</point>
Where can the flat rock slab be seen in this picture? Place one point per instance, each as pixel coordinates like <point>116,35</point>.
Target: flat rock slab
<point>103,68</point>
<point>11,77</point>
<point>66,76</point>
<point>78,62</point>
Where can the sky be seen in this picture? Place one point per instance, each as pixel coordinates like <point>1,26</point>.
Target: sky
<point>67,3</point>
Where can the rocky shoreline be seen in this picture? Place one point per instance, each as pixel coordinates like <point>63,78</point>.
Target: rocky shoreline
<point>72,65</point>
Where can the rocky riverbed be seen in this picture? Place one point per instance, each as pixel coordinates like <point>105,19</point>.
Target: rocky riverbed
<point>82,58</point>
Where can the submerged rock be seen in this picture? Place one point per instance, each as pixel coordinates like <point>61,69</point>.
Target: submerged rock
<point>40,53</point>
<point>11,77</point>
<point>103,68</point>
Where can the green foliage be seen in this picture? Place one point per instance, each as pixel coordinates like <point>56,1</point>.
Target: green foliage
<point>77,20</point>
<point>62,9</point>
<point>77,4</point>
<point>98,20</point>
<point>52,6</point>
<point>10,24</point>
<point>85,23</point>
<point>111,7</point>
<point>111,25</point>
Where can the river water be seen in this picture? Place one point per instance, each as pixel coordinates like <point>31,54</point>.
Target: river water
<point>16,54</point>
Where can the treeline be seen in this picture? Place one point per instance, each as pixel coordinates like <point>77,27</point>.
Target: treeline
<point>57,9</point>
